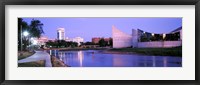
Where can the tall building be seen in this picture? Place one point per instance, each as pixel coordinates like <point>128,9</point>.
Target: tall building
<point>61,33</point>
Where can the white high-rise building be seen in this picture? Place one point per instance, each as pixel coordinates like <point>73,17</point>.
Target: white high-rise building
<point>61,33</point>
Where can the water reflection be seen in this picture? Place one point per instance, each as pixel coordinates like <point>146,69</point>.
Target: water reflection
<point>165,61</point>
<point>55,53</point>
<point>154,61</point>
<point>80,57</point>
<point>92,58</point>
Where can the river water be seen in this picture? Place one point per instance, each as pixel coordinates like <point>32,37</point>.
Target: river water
<point>97,58</point>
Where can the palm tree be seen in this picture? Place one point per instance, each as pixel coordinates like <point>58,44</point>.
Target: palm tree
<point>36,28</point>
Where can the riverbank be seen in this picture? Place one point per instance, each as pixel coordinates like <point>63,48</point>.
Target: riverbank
<point>176,51</point>
<point>57,63</point>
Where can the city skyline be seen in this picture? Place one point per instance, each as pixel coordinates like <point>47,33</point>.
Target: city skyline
<point>88,28</point>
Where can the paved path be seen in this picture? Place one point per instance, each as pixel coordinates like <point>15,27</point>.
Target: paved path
<point>39,55</point>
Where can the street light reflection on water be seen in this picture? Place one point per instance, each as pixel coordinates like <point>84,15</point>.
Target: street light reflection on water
<point>94,58</point>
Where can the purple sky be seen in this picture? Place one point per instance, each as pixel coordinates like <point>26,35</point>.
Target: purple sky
<point>102,27</point>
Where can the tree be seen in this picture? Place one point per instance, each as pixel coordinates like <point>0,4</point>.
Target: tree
<point>88,43</point>
<point>102,42</point>
<point>50,43</point>
<point>111,42</point>
<point>61,43</point>
<point>36,28</point>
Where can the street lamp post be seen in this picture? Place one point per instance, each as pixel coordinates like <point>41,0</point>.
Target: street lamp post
<point>21,39</point>
<point>21,36</point>
<point>25,33</point>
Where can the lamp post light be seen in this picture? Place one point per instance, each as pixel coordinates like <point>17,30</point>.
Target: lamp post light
<point>25,33</point>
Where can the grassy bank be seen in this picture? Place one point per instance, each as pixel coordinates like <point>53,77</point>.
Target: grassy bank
<point>40,63</point>
<point>176,51</point>
<point>24,54</point>
<point>74,49</point>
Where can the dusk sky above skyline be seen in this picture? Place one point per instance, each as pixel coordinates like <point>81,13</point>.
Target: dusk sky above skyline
<point>88,28</point>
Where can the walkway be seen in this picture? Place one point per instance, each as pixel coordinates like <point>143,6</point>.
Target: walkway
<point>39,55</point>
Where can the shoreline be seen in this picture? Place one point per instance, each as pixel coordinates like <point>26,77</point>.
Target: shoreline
<point>174,52</point>
<point>76,49</point>
<point>135,53</point>
<point>117,52</point>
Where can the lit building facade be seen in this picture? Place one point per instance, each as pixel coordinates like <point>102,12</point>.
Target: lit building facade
<point>76,39</point>
<point>120,39</point>
<point>61,33</point>
<point>39,41</point>
<point>96,40</point>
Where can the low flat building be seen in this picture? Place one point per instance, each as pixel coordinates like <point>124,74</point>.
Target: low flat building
<point>140,38</point>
